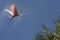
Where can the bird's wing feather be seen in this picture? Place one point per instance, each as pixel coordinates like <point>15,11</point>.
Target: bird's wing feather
<point>9,11</point>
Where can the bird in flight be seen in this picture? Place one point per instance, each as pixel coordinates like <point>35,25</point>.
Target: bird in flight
<point>14,12</point>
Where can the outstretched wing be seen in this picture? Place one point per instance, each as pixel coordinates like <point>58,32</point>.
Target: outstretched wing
<point>9,11</point>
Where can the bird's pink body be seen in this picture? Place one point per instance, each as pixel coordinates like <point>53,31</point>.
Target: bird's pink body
<point>14,10</point>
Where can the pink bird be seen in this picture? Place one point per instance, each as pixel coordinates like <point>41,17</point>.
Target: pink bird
<point>14,12</point>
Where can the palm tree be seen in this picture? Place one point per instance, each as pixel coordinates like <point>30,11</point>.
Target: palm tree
<point>47,35</point>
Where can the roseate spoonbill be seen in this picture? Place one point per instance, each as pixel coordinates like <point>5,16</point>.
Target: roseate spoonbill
<point>14,12</point>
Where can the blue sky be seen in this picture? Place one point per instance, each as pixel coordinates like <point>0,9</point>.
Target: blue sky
<point>24,28</point>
